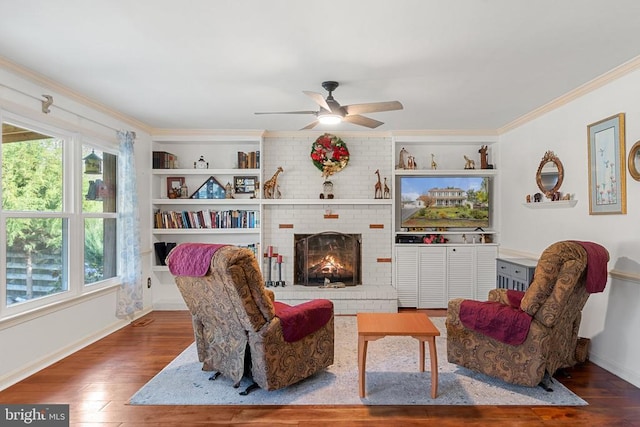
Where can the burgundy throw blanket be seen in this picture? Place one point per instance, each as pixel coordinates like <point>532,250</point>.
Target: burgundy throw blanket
<point>502,322</point>
<point>191,259</point>
<point>597,258</point>
<point>300,320</point>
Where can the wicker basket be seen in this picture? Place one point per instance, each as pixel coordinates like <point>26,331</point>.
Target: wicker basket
<point>582,350</point>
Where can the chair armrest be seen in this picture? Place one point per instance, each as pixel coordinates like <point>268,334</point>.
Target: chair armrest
<point>303,319</point>
<point>498,295</point>
<point>270,294</point>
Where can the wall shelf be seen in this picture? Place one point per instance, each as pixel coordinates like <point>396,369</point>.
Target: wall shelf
<point>551,205</point>
<point>326,201</point>
<point>445,172</point>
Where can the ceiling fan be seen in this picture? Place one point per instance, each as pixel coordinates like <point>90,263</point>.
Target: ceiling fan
<point>331,112</point>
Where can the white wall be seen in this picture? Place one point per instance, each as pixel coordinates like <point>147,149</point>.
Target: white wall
<point>611,319</point>
<point>302,180</point>
<point>36,340</point>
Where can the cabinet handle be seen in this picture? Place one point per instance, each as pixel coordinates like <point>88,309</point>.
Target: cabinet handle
<point>502,267</point>
<point>454,249</point>
<point>517,271</point>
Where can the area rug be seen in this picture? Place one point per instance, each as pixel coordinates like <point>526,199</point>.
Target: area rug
<point>392,378</point>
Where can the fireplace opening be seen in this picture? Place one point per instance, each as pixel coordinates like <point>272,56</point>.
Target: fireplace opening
<point>328,256</point>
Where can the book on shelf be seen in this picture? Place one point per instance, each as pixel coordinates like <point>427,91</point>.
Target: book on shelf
<point>233,218</point>
<point>250,160</point>
<point>164,160</point>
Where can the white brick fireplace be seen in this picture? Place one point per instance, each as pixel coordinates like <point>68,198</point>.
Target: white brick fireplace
<point>352,211</point>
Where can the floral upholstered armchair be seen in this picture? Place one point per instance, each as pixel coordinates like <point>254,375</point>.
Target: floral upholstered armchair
<point>239,329</point>
<point>521,336</point>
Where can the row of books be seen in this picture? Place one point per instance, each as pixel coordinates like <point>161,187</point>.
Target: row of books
<point>250,160</point>
<point>164,160</point>
<point>207,219</point>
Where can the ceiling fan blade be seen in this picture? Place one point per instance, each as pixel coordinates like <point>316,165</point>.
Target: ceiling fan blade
<point>311,125</point>
<point>373,107</point>
<point>289,112</point>
<point>362,121</point>
<point>319,99</point>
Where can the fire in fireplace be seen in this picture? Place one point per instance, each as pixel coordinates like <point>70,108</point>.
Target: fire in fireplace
<point>328,256</point>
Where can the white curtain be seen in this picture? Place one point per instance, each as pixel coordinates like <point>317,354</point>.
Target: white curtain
<point>128,230</point>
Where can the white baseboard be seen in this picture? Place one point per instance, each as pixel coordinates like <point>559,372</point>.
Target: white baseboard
<point>618,371</point>
<point>170,305</point>
<point>20,374</point>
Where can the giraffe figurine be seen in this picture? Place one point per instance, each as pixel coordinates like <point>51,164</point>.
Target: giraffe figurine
<point>271,187</point>
<point>378,187</point>
<point>386,191</point>
<point>434,165</point>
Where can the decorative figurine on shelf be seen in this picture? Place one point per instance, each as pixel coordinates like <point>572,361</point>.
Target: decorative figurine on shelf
<point>201,163</point>
<point>537,197</point>
<point>434,165</point>
<point>528,198</point>
<point>401,159</point>
<point>567,196</point>
<point>484,163</point>
<point>327,190</point>
<point>377,192</point>
<point>184,191</point>
<point>470,163</point>
<point>271,187</point>
<point>411,163</point>
<point>386,193</point>
<point>228,191</point>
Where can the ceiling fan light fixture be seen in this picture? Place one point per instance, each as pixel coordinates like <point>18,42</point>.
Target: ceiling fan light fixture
<point>330,119</point>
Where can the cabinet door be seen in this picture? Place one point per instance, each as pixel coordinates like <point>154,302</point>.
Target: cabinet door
<point>432,273</point>
<point>407,276</point>
<point>485,271</point>
<point>461,272</point>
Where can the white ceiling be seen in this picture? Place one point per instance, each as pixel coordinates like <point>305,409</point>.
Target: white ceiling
<point>210,64</point>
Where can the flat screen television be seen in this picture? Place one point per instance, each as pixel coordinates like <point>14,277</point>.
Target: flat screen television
<point>459,202</point>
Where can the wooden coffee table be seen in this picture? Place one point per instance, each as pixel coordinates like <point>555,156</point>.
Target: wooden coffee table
<point>373,326</point>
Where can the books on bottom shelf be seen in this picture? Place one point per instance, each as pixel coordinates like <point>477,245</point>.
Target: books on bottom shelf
<point>206,218</point>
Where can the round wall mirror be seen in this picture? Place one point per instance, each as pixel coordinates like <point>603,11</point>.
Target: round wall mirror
<point>550,174</point>
<point>634,161</point>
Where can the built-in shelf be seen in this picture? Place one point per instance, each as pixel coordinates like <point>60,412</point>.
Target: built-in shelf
<point>326,201</point>
<point>551,205</point>
<point>446,172</point>
<point>206,231</point>
<point>206,201</point>
<point>178,172</point>
<point>456,232</point>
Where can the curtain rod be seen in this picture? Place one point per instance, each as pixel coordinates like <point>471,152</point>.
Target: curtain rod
<point>47,103</point>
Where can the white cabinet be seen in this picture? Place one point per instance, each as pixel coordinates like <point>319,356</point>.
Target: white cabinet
<point>428,276</point>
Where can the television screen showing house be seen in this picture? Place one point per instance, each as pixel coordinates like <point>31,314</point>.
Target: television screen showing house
<point>445,202</point>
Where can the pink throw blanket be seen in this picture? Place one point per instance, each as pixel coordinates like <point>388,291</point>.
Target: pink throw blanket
<point>191,259</point>
<point>597,258</point>
<point>499,321</point>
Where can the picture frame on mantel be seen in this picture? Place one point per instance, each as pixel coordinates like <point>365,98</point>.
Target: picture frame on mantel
<point>607,169</point>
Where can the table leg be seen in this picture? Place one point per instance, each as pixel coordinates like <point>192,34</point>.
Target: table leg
<point>433,355</point>
<point>421,344</point>
<point>362,363</point>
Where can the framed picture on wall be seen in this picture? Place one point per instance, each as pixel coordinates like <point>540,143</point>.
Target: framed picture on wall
<point>607,170</point>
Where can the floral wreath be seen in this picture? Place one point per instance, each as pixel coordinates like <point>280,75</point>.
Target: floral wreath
<point>329,154</point>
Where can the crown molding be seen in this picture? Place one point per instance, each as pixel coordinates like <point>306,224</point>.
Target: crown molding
<point>52,85</point>
<point>580,91</point>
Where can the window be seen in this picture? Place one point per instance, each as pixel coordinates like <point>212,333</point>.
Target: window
<point>47,221</point>
<point>99,212</point>
<point>36,231</point>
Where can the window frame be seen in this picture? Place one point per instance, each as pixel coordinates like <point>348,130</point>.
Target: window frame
<point>72,164</point>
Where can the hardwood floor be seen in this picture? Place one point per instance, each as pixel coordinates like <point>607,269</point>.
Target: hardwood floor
<point>98,381</point>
